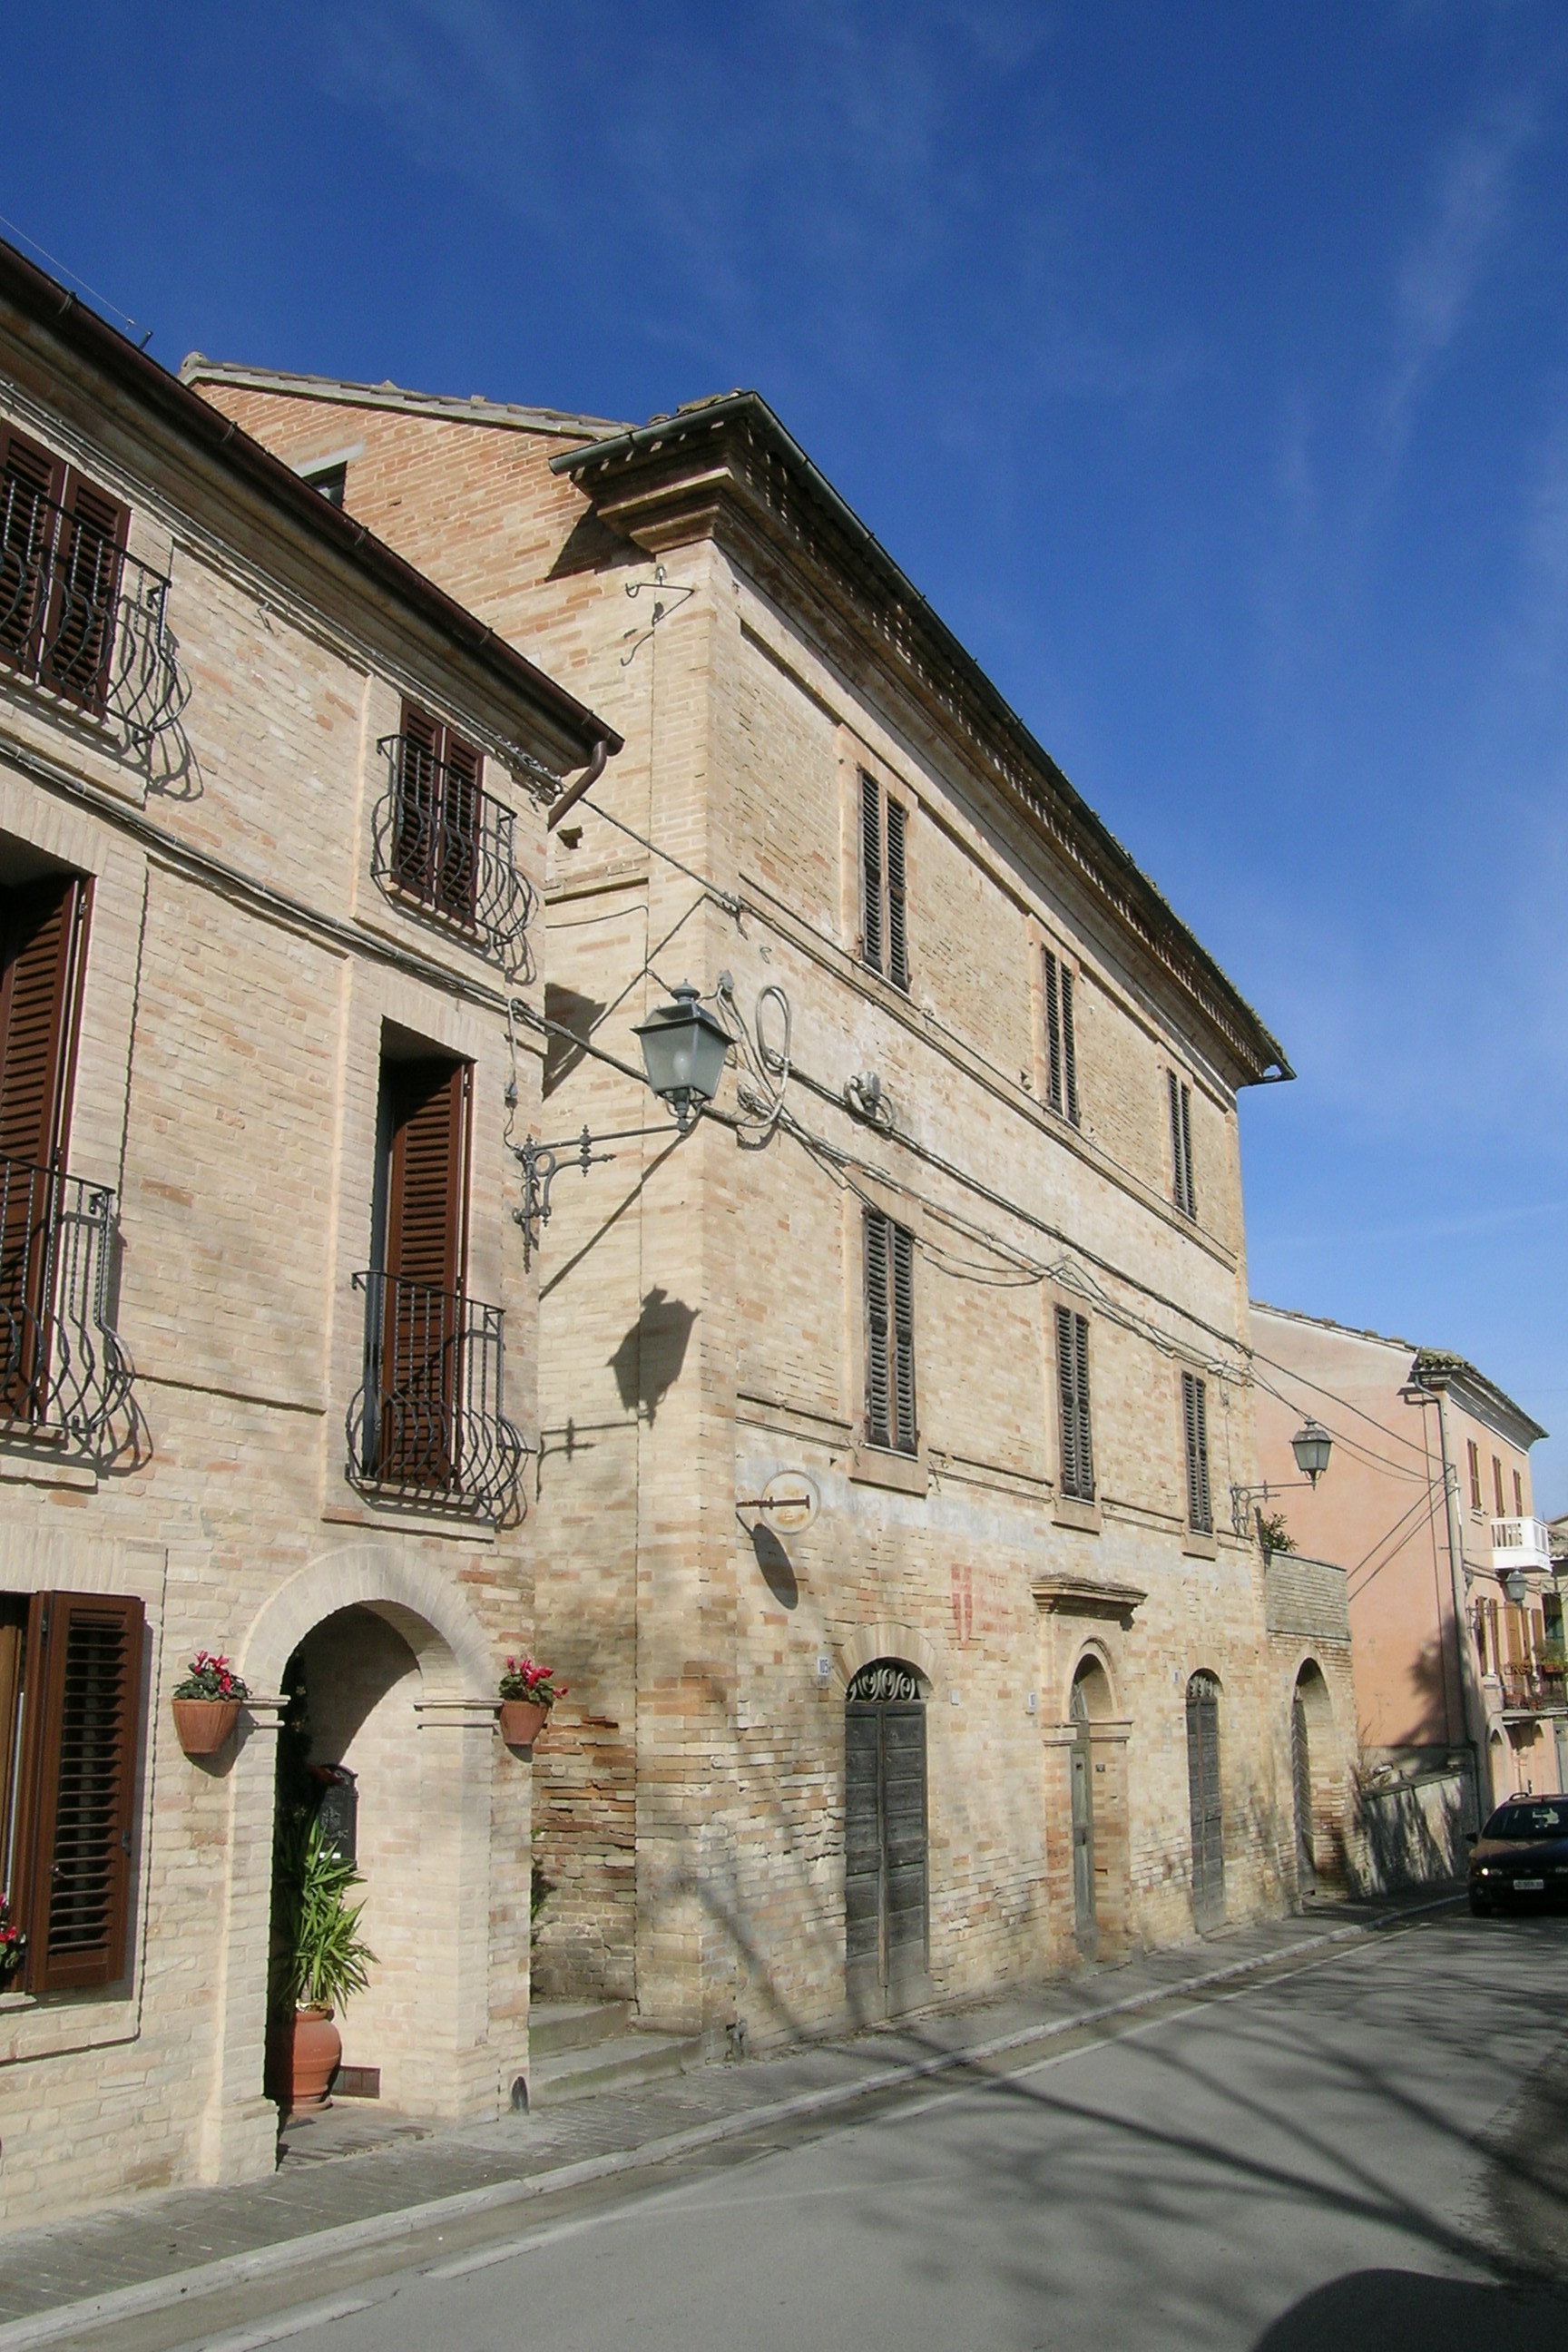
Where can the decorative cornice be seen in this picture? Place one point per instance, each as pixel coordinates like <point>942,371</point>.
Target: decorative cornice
<point>1086,1596</point>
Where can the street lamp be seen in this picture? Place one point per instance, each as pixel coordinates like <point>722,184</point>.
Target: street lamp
<point>1311,1445</point>
<point>1516,1587</point>
<point>684,1050</point>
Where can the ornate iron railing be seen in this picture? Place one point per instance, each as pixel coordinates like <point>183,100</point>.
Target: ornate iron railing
<point>64,1370</point>
<point>447,848</point>
<point>81,616</point>
<point>426,1423</point>
<point>1532,1689</point>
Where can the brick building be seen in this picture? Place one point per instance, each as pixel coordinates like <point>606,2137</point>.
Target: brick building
<point>1455,1615</point>
<point>271,825</point>
<point>887,1427</point>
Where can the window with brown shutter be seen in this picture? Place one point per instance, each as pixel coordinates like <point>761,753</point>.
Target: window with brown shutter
<point>43,942</point>
<point>80,1713</point>
<point>1072,1388</point>
<point>419,1317</point>
<point>890,1335</point>
<point>1195,1436</point>
<point>884,883</point>
<point>1473,1455</point>
<point>1518,1495</point>
<point>1061,1051</point>
<point>1497,1487</point>
<point>1184,1193</point>
<point>436,815</point>
<point>62,546</point>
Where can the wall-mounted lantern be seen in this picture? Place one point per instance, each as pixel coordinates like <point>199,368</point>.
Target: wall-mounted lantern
<point>684,1050</point>
<point>1312,1447</point>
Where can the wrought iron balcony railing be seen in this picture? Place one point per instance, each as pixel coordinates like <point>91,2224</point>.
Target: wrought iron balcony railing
<point>426,1423</point>
<point>445,847</point>
<point>64,1372</point>
<point>1532,1689</point>
<point>81,616</point>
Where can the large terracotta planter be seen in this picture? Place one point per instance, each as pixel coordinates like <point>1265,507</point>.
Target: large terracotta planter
<point>521,1721</point>
<point>303,2053</point>
<point>202,1725</point>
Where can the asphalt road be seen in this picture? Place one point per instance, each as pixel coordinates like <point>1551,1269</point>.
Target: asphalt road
<point>1368,2154</point>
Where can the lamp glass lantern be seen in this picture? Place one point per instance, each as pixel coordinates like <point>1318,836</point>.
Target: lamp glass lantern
<point>1312,1447</point>
<point>1516,1587</point>
<point>684,1050</point>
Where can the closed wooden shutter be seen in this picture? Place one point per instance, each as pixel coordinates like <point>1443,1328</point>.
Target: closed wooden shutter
<point>83,1680</point>
<point>1497,1487</point>
<point>422,1316</point>
<point>898,913</point>
<point>1072,1376</point>
<point>903,1254</point>
<point>1070,1050</point>
<point>1474,1458</point>
<point>1053,1034</point>
<point>459,858</point>
<point>1194,1429</point>
<point>43,939</point>
<point>79,636</point>
<point>870,871</point>
<point>1518,1495</point>
<point>877,1424</point>
<point>413,825</point>
<point>31,480</point>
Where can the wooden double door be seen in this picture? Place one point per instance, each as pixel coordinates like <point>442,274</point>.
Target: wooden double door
<point>885,1840</point>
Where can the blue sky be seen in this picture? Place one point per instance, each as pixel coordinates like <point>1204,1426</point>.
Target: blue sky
<point>1206,365</point>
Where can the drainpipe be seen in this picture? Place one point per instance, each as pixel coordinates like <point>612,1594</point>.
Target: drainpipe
<point>585,783</point>
<point>1470,1693</point>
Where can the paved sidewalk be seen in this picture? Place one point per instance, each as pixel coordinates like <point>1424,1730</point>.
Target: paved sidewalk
<point>164,2246</point>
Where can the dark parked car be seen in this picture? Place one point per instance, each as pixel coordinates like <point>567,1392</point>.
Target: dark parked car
<point>1521,1855</point>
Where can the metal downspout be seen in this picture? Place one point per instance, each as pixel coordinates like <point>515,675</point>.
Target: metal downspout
<point>585,783</point>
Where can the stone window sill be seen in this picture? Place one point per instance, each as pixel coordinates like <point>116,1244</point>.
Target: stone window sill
<point>904,1473</point>
<point>1197,1545</point>
<point>1071,1511</point>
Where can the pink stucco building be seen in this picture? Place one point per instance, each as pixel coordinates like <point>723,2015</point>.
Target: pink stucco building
<point>1455,1616</point>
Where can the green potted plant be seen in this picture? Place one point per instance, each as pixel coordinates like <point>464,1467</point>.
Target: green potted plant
<point>321,1961</point>
<point>527,1694</point>
<point>207,1703</point>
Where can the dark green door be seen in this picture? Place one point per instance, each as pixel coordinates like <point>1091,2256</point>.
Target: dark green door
<point>884,1839</point>
<point>1203,1794</point>
<point>1302,1781</point>
<point>1081,1766</point>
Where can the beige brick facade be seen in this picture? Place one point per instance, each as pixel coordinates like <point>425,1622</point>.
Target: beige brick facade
<point>703,1324</point>
<point>244,973</point>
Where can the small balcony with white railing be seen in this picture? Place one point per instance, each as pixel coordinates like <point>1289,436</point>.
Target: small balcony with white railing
<point>1520,1543</point>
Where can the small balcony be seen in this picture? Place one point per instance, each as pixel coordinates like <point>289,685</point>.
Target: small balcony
<point>64,1376</point>
<point>426,1424</point>
<point>1522,1543</point>
<point>444,849</point>
<point>1532,1689</point>
<point>81,618</point>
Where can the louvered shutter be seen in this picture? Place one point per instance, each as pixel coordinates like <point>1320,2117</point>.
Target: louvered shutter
<point>1072,1382</point>
<point>42,950</point>
<point>1178,1187</point>
<point>870,871</point>
<point>83,1681</point>
<point>30,482</point>
<point>1497,1487</point>
<point>414,835</point>
<point>457,872</point>
<point>1195,1418</point>
<point>877,1431</point>
<point>422,1325</point>
<point>1190,1198</point>
<point>79,636</point>
<point>903,1254</point>
<point>1473,1457</point>
<point>1069,1051</point>
<point>1080,1368</point>
<point>1518,1495</point>
<point>1053,1034</point>
<point>898,912</point>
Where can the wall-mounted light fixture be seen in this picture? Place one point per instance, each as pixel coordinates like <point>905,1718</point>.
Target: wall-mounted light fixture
<point>684,1050</point>
<point>1312,1447</point>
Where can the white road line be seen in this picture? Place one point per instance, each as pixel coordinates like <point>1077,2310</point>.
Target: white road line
<point>287,2324</point>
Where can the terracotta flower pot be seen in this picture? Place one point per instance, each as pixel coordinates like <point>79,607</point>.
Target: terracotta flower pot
<point>204,1724</point>
<point>522,1720</point>
<point>303,2053</point>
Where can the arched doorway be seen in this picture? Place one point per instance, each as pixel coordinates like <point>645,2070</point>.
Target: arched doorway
<point>1090,1697</point>
<point>1205,1800</point>
<point>885,1879</point>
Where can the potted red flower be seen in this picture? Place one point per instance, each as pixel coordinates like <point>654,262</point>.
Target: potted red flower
<point>13,1944</point>
<point>207,1703</point>
<point>527,1694</point>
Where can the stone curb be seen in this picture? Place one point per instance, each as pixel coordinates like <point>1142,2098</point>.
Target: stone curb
<point>64,2320</point>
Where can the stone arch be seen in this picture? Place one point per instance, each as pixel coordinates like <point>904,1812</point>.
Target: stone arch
<point>422,1605</point>
<point>889,1639</point>
<point>1318,1782</point>
<point>1091,1672</point>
